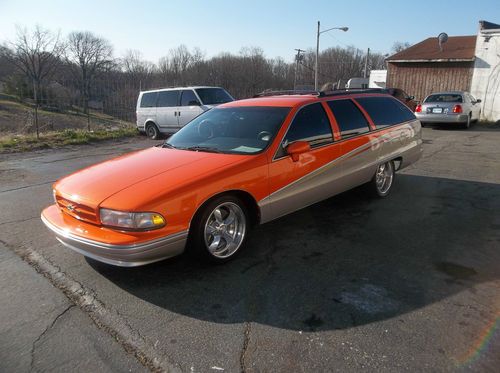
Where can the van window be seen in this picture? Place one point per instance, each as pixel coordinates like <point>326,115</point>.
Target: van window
<point>168,98</point>
<point>385,111</point>
<point>213,96</point>
<point>350,119</point>
<point>149,99</point>
<point>188,98</point>
<point>310,124</point>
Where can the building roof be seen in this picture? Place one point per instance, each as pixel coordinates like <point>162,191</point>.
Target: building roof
<point>456,49</point>
<point>485,25</point>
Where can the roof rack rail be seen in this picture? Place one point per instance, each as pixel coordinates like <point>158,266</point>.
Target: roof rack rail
<point>351,91</point>
<point>287,92</point>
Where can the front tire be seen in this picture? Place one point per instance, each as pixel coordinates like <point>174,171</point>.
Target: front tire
<point>383,180</point>
<point>220,230</point>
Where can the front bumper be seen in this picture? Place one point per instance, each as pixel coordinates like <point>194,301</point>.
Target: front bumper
<point>129,255</point>
<point>442,118</point>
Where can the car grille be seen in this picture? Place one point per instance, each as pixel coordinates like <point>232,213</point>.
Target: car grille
<point>77,210</point>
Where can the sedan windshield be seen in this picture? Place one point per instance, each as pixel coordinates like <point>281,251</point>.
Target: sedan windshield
<point>444,98</point>
<point>238,130</point>
<point>213,96</point>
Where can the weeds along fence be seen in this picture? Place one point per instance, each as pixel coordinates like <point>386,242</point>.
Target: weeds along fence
<point>111,103</point>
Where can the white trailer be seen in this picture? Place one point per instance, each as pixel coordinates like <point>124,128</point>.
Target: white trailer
<point>378,79</point>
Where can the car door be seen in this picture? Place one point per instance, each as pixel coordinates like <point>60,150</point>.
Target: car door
<point>190,107</point>
<point>310,178</point>
<point>166,110</point>
<point>358,147</point>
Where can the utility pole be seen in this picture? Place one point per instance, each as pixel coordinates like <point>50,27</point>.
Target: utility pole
<point>298,57</point>
<point>317,56</point>
<point>365,72</point>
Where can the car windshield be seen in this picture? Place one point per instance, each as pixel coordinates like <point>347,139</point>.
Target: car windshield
<point>213,96</point>
<point>447,97</point>
<point>237,130</point>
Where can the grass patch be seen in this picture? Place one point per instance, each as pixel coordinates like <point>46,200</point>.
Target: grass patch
<point>20,143</point>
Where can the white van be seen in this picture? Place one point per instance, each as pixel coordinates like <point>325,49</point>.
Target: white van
<point>167,110</point>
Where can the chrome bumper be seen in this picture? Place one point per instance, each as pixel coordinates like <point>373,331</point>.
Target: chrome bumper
<point>122,255</point>
<point>442,118</point>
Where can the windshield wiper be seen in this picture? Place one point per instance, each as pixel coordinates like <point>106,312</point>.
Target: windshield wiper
<point>167,145</point>
<point>202,149</point>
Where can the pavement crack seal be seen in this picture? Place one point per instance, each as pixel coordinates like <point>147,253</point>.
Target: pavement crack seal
<point>105,318</point>
<point>246,341</point>
<point>19,220</point>
<point>39,338</point>
<point>27,186</point>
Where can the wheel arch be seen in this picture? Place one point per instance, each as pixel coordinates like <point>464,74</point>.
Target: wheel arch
<point>247,198</point>
<point>149,122</point>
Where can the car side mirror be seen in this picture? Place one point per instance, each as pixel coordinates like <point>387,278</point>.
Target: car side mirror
<point>295,149</point>
<point>478,100</point>
<point>411,97</point>
<point>194,103</point>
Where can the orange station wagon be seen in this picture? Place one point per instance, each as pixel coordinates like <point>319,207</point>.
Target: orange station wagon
<point>243,163</point>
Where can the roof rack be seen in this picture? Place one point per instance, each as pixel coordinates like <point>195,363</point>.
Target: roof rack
<point>351,91</point>
<point>337,92</point>
<point>288,92</point>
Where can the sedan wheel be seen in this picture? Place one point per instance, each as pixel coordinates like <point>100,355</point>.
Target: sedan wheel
<point>220,230</point>
<point>467,124</point>
<point>383,179</point>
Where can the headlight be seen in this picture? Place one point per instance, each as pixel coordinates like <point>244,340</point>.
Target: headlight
<point>132,220</point>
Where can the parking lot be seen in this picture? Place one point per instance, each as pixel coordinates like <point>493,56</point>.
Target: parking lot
<point>410,282</point>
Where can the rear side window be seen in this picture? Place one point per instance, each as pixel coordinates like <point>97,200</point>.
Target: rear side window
<point>168,98</point>
<point>350,119</point>
<point>311,124</point>
<point>149,99</point>
<point>385,111</point>
<point>188,98</point>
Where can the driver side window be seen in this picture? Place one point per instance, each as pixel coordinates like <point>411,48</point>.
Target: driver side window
<point>310,124</point>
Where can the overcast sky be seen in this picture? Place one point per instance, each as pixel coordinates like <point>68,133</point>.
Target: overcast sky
<point>154,27</point>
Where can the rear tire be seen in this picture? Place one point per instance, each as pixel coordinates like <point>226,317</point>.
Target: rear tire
<point>152,131</point>
<point>467,124</point>
<point>219,230</point>
<point>381,184</point>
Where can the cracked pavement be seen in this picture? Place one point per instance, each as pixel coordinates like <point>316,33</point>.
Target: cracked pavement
<point>406,283</point>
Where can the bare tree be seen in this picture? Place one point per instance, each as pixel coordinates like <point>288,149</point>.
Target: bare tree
<point>37,55</point>
<point>137,69</point>
<point>89,54</point>
<point>400,46</point>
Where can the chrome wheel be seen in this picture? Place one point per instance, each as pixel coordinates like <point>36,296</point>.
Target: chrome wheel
<point>225,230</point>
<point>384,178</point>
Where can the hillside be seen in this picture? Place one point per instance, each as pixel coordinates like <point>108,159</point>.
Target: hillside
<point>18,119</point>
<point>17,128</point>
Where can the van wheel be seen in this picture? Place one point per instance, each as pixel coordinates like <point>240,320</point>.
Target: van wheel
<point>152,131</point>
<point>220,230</point>
<point>383,179</point>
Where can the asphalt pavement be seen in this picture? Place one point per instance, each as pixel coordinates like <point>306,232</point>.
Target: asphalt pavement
<point>410,282</point>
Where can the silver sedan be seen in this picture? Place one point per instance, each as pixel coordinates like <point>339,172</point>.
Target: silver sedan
<point>454,107</point>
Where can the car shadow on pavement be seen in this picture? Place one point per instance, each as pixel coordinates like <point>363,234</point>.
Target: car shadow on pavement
<point>346,261</point>
<point>474,127</point>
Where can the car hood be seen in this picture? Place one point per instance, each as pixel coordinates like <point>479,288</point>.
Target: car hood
<point>92,185</point>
